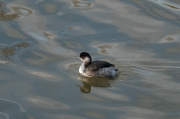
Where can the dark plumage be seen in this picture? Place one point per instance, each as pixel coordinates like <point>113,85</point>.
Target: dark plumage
<point>96,68</point>
<point>96,65</point>
<point>83,55</point>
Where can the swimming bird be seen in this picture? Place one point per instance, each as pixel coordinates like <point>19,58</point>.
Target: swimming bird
<point>91,68</point>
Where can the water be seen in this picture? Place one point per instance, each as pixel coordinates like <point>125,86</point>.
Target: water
<point>41,39</point>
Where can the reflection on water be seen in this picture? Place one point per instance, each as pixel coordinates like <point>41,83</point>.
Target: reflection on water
<point>36,29</point>
<point>13,33</point>
<point>65,31</point>
<point>103,48</point>
<point>73,45</point>
<point>87,82</point>
<point>155,9</point>
<point>1,4</point>
<point>4,16</point>
<point>7,17</point>
<point>40,59</point>
<point>46,103</point>
<point>15,12</point>
<point>174,49</point>
<point>63,116</point>
<point>9,51</point>
<point>94,114</point>
<point>171,6</point>
<point>171,38</point>
<point>50,7</point>
<point>79,3</point>
<point>21,11</point>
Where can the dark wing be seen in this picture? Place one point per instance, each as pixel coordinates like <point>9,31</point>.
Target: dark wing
<point>96,65</point>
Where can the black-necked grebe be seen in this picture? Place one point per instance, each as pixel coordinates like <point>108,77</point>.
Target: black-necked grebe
<point>96,68</point>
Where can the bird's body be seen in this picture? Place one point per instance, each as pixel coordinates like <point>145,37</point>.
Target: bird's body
<point>96,68</point>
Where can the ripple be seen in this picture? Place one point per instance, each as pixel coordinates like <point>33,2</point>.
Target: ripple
<point>44,75</point>
<point>11,32</point>
<point>6,115</point>
<point>46,103</point>
<point>9,51</point>
<point>73,45</point>
<point>156,79</point>
<point>94,114</point>
<point>39,1</point>
<point>40,74</point>
<point>104,47</point>
<point>171,38</point>
<point>78,3</point>
<point>16,11</point>
<point>19,10</point>
<point>22,109</point>
<point>50,7</point>
<point>4,62</point>
<point>72,69</point>
<point>134,112</point>
<point>171,6</point>
<point>92,98</point>
<point>36,29</point>
<point>4,16</point>
<point>62,116</point>
<point>40,58</point>
<point>111,95</point>
<point>174,49</point>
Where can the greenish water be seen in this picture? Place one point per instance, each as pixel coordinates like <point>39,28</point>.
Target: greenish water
<point>40,41</point>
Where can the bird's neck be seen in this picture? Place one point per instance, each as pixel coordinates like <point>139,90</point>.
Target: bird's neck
<point>82,68</point>
<point>87,61</point>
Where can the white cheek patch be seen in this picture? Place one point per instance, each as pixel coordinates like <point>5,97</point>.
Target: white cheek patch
<point>87,59</point>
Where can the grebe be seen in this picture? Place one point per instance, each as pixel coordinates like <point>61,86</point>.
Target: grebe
<point>96,68</point>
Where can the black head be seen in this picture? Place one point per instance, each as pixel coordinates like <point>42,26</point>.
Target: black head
<point>85,57</point>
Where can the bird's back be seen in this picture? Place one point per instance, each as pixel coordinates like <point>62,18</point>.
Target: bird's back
<point>96,65</point>
<point>101,69</point>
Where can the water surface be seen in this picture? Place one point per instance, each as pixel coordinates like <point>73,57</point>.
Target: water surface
<point>41,39</point>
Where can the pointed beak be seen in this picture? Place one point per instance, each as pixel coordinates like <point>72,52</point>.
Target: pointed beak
<point>79,58</point>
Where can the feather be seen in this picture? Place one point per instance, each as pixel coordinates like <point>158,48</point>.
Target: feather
<point>96,65</point>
